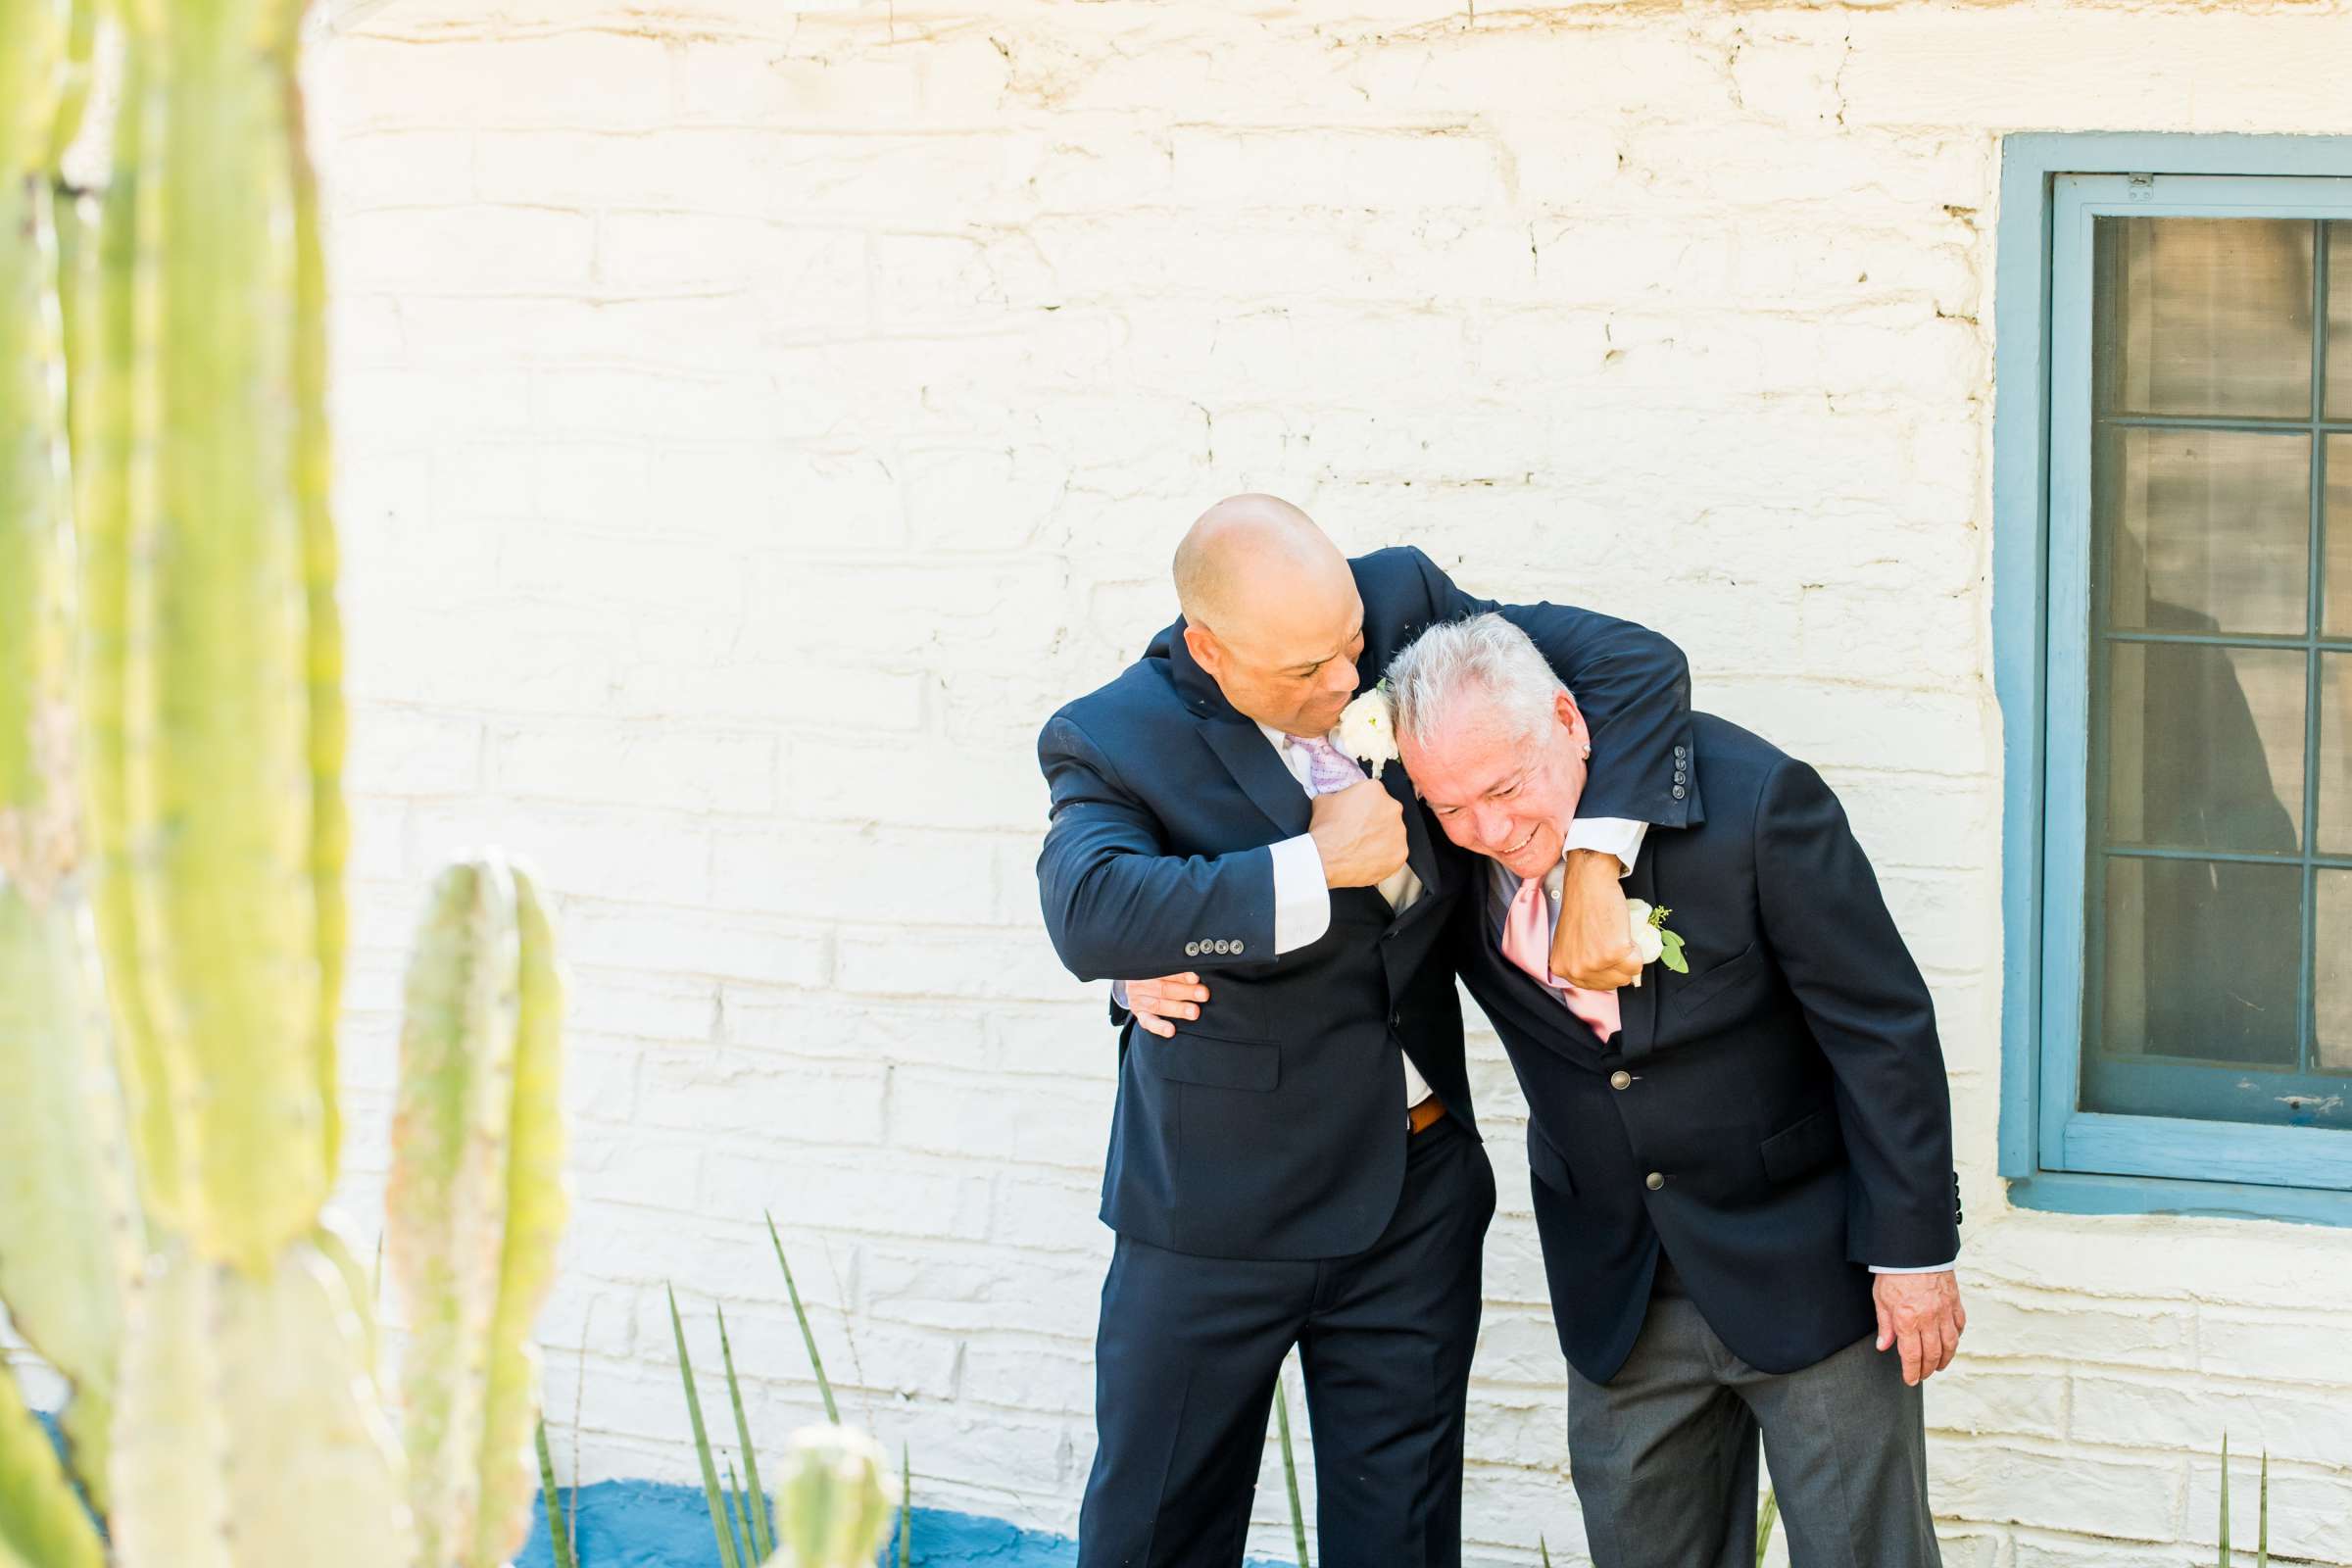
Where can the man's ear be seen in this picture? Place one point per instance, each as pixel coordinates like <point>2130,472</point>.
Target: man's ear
<point>1564,708</point>
<point>1207,651</point>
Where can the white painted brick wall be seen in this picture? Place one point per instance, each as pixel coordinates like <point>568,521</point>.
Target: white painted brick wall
<point>755,421</point>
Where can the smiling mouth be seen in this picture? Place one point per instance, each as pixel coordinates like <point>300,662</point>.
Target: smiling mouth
<point>1522,843</point>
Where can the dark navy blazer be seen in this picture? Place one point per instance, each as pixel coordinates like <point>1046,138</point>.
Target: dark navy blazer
<point>1273,1127</point>
<point>1778,1117</point>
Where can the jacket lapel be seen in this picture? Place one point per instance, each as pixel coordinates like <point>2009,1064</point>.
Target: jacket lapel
<point>1637,1005</point>
<point>1259,770</point>
<point>1421,852</point>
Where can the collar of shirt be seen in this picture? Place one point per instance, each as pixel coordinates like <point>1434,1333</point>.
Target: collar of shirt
<point>1507,880</point>
<point>1281,740</point>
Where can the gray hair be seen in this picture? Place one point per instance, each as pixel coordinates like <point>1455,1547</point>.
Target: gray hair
<point>1485,660</point>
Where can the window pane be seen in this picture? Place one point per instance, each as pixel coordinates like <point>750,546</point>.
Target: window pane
<point>2338,500</point>
<point>2339,320</point>
<point>2335,754</point>
<point>2332,981</point>
<point>2201,961</point>
<point>2204,747</point>
<point>2204,316</point>
<point>2203,530</point>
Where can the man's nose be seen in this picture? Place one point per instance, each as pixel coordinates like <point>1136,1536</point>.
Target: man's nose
<point>1493,828</point>
<point>1343,675</point>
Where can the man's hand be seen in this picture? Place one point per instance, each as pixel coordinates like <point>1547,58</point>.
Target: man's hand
<point>1172,996</point>
<point>1359,831</point>
<point>1923,1314</point>
<point>1593,946</point>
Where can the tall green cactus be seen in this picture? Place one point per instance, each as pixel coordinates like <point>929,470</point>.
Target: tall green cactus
<point>161,1238</point>
<point>475,1203</point>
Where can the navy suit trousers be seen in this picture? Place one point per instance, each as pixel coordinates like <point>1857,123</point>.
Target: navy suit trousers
<point>1187,1355</point>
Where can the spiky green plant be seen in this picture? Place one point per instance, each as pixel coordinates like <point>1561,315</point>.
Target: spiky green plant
<point>1765,1520</point>
<point>906,1507</point>
<point>173,841</point>
<point>1290,1466</point>
<point>558,1533</point>
<point>760,1536</point>
<point>2262,1535</point>
<point>816,1362</point>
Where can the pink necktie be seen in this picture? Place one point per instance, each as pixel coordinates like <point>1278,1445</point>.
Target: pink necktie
<point>1527,942</point>
<point>1328,769</point>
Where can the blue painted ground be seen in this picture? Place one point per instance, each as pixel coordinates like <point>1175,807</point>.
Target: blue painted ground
<point>644,1524</point>
<point>639,1524</point>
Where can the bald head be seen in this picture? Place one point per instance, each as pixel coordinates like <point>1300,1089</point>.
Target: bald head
<point>1272,612</point>
<point>1251,554</point>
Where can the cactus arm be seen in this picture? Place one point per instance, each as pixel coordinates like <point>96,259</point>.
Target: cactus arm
<point>36,799</point>
<point>536,1211</point>
<point>445,1202</point>
<point>314,1472</point>
<point>68,1231</point>
<point>330,821</point>
<point>229,883</point>
<point>171,1440</point>
<point>110,372</point>
<point>42,1524</point>
<point>833,1499</point>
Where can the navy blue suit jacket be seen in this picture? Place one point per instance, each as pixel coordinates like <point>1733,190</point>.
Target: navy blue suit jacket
<point>1273,1126</point>
<point>1777,1117</point>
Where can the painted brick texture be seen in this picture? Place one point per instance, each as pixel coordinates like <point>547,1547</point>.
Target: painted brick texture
<point>755,420</point>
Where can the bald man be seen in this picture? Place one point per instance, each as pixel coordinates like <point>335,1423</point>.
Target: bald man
<point>1294,1157</point>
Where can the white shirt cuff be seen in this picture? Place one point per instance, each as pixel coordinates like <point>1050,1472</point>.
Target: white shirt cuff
<point>1611,835</point>
<point>1118,993</point>
<point>1934,1268</point>
<point>1301,898</point>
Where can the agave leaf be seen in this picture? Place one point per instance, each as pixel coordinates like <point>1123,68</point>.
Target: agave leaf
<point>2262,1533</point>
<point>1764,1523</point>
<point>1544,1550</point>
<point>905,1509</point>
<point>2225,1499</point>
<point>558,1535</point>
<point>817,1362</point>
<point>762,1538</point>
<point>702,1442</point>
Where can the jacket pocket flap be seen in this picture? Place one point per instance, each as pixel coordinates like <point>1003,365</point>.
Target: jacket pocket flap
<point>1796,1149</point>
<point>1544,1163</point>
<point>1191,1059</point>
<point>1695,990</point>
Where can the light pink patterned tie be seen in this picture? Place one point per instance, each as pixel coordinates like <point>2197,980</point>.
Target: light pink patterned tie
<point>1328,769</point>
<point>1527,942</point>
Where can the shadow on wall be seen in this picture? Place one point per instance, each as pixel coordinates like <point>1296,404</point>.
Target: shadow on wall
<point>643,1524</point>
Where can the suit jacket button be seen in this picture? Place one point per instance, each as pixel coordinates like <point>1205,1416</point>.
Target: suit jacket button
<point>1621,1079</point>
<point>1681,752</point>
<point>1236,946</point>
<point>1678,791</point>
<point>1192,949</point>
<point>1654,1182</point>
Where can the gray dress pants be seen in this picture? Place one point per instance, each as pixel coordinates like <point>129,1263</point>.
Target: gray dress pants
<point>1664,1454</point>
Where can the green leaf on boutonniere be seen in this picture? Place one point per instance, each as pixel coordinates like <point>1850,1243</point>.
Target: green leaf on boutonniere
<point>1672,957</point>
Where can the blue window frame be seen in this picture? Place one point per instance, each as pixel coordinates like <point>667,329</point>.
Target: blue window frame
<point>2172,676</point>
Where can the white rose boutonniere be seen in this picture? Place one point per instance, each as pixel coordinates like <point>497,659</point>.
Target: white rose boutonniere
<point>1368,728</point>
<point>1652,941</point>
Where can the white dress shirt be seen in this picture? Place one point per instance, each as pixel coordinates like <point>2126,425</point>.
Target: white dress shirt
<point>1506,887</point>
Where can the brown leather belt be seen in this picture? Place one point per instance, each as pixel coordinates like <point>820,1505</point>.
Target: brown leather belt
<point>1424,1115</point>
